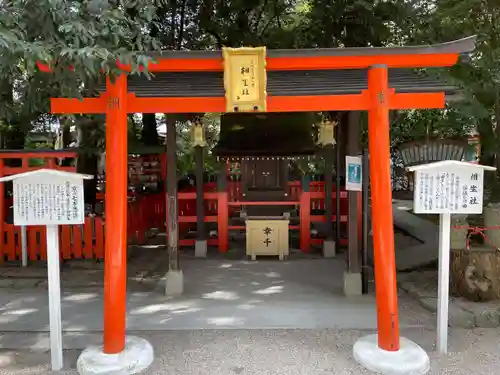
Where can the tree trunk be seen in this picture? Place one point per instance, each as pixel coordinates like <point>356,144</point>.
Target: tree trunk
<point>66,136</point>
<point>475,274</point>
<point>149,133</point>
<point>88,159</point>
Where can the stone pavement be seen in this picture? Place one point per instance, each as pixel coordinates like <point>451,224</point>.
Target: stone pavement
<point>422,286</point>
<point>230,294</point>
<point>277,352</point>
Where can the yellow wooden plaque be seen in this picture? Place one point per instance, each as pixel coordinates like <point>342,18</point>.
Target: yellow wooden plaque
<point>245,79</point>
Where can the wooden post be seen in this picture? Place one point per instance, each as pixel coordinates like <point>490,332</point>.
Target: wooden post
<point>223,210</point>
<point>54,285</point>
<point>328,157</point>
<point>338,167</point>
<point>354,197</point>
<point>382,219</point>
<point>305,216</point>
<point>200,209</point>
<point>115,273</point>
<point>172,202</point>
<point>365,208</point>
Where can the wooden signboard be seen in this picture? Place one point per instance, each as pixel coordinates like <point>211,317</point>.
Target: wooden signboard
<point>445,188</point>
<point>51,198</point>
<point>245,80</point>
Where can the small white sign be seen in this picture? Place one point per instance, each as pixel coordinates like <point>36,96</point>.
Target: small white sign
<point>354,176</point>
<point>454,189</point>
<point>445,188</point>
<point>48,199</point>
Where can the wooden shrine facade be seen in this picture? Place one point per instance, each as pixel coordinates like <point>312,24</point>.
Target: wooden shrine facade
<point>375,80</point>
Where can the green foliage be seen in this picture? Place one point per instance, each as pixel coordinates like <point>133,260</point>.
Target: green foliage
<point>89,36</point>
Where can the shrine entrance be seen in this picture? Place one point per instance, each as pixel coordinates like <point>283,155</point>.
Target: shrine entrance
<point>256,80</point>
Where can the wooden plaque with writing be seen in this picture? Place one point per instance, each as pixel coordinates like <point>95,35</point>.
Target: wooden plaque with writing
<point>245,79</point>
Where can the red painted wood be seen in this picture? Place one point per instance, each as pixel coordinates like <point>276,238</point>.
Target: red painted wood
<point>65,241</point>
<point>42,230</point>
<point>77,241</point>
<point>32,243</point>
<point>10,243</point>
<point>305,221</point>
<point>88,249</point>
<point>223,222</point>
<point>99,238</point>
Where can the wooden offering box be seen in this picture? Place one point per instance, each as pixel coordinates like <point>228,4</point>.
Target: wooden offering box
<point>267,236</point>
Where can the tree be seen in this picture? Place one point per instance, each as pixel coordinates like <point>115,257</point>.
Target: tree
<point>78,39</point>
<point>479,76</point>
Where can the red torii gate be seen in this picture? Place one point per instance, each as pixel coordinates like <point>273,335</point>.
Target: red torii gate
<point>378,99</point>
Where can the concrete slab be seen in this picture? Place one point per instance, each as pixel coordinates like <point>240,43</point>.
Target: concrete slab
<point>303,293</point>
<point>329,249</point>
<point>353,284</point>
<point>200,249</point>
<point>135,358</point>
<point>410,359</point>
<point>174,283</point>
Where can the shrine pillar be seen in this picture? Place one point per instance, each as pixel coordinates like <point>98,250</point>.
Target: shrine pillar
<point>174,280</point>
<point>119,354</point>
<point>199,144</point>
<point>384,352</point>
<point>326,139</point>
<point>352,276</point>
<point>382,220</point>
<point>223,208</point>
<point>115,268</point>
<point>329,245</point>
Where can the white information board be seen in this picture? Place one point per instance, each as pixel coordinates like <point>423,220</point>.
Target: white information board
<point>47,199</point>
<point>50,198</point>
<point>445,188</point>
<point>449,189</point>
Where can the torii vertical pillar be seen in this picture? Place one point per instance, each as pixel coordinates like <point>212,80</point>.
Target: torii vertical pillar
<point>119,354</point>
<point>385,353</point>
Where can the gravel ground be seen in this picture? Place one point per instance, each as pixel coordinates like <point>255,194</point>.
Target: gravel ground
<point>290,352</point>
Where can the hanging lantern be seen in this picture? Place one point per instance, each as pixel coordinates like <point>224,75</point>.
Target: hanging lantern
<point>198,134</point>
<point>326,133</point>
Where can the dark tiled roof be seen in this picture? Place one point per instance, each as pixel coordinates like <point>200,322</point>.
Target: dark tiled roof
<point>283,83</point>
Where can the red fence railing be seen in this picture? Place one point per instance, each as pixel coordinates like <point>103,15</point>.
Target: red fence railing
<point>145,212</point>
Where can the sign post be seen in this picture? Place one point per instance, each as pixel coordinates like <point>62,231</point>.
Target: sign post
<point>445,188</point>
<point>51,198</point>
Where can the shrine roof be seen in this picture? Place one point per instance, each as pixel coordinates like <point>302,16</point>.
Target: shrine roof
<point>284,83</point>
<point>461,46</point>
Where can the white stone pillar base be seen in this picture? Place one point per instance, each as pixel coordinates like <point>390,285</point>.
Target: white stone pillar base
<point>410,359</point>
<point>136,357</point>
<point>174,283</point>
<point>353,285</point>
<point>200,249</point>
<point>329,250</point>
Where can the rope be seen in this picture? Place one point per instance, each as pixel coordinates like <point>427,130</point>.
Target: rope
<point>478,230</point>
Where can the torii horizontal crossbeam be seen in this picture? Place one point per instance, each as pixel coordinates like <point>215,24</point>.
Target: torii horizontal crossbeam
<point>352,102</point>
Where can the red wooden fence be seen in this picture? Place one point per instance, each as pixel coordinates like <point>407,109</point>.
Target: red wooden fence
<point>145,212</point>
